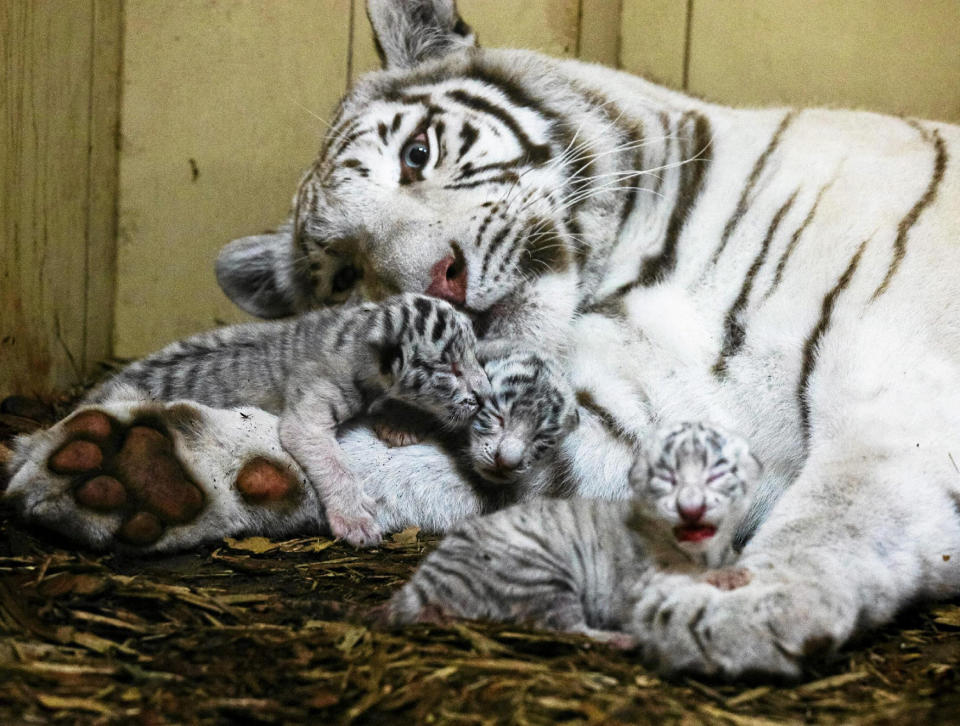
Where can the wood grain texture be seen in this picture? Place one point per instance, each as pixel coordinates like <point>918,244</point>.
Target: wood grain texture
<point>895,56</point>
<point>653,39</point>
<point>58,111</point>
<point>223,109</point>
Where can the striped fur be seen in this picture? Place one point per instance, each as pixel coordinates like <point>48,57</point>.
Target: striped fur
<point>786,273</point>
<point>572,564</point>
<point>317,372</point>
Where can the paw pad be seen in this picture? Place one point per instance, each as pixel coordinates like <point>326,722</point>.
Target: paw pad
<point>134,473</point>
<point>261,481</point>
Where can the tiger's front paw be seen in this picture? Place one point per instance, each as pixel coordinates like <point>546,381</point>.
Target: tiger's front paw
<point>531,408</point>
<point>766,627</point>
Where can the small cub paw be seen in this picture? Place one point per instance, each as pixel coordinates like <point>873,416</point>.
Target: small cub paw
<point>393,437</point>
<point>728,578</point>
<point>357,530</point>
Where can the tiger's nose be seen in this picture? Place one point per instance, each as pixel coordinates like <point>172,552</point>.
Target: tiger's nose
<point>448,278</point>
<point>509,454</point>
<point>690,512</point>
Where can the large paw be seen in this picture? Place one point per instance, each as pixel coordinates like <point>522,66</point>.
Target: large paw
<point>764,628</point>
<point>393,436</point>
<point>159,477</point>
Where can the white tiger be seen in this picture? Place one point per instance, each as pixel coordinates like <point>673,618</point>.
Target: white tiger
<point>785,273</point>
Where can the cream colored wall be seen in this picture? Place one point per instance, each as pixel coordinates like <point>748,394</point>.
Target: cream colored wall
<point>232,84</point>
<point>58,125</point>
<point>895,56</point>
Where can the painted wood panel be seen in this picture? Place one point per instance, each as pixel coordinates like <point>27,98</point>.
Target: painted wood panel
<point>58,108</point>
<point>653,39</point>
<point>223,108</point>
<point>896,56</point>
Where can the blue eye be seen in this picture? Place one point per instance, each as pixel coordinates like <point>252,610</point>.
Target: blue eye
<point>416,152</point>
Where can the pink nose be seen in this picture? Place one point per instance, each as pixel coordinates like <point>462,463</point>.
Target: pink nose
<point>448,279</point>
<point>690,513</point>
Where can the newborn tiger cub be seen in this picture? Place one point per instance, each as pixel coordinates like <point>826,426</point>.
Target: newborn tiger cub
<point>571,565</point>
<point>531,407</point>
<point>320,370</point>
<point>689,498</point>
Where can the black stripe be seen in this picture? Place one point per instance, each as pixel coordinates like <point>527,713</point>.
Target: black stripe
<point>734,332</point>
<point>586,401</point>
<point>813,340</point>
<point>929,194</point>
<point>758,167</point>
<point>508,177</point>
<point>692,174</point>
<point>439,325</point>
<point>397,118</point>
<point>795,237</point>
<point>468,170</point>
<point>536,153</point>
<point>494,245</point>
<point>423,308</point>
<point>382,130</point>
<point>468,137</point>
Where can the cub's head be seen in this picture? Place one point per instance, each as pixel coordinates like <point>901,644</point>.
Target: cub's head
<point>428,359</point>
<point>698,480</point>
<point>447,173</point>
<point>530,409</point>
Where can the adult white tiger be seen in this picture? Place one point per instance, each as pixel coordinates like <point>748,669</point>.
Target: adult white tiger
<point>784,273</point>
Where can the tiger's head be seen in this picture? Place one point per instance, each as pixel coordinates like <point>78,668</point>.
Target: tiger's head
<point>447,173</point>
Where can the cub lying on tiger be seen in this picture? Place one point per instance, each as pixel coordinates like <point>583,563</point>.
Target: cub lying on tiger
<point>782,272</point>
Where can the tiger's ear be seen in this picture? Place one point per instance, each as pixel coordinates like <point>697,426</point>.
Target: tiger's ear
<point>408,32</point>
<point>257,273</point>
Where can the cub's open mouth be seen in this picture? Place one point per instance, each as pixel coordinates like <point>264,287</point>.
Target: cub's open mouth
<point>694,532</point>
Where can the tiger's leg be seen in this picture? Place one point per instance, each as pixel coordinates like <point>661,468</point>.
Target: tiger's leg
<point>160,476</point>
<point>870,525</point>
<point>154,476</point>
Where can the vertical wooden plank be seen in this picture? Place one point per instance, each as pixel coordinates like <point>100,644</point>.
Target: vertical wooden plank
<point>103,174</point>
<point>223,107</point>
<point>45,138</point>
<point>899,56</point>
<point>653,36</point>
<point>550,26</point>
<point>600,31</point>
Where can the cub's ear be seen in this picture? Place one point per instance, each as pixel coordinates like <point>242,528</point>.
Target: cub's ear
<point>257,273</point>
<point>411,31</point>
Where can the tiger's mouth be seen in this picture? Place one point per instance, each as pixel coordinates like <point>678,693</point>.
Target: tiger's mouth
<point>694,532</point>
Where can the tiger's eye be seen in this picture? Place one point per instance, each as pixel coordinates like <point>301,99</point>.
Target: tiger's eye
<point>415,154</point>
<point>345,278</point>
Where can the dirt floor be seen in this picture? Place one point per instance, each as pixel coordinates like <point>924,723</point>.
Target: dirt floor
<point>254,631</point>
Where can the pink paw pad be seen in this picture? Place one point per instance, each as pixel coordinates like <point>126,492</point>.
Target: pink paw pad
<point>261,481</point>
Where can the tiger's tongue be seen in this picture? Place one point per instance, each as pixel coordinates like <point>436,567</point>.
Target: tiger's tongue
<point>694,533</point>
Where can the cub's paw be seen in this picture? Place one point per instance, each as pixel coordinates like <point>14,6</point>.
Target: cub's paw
<point>530,409</point>
<point>158,477</point>
<point>728,578</point>
<point>355,524</point>
<point>394,437</point>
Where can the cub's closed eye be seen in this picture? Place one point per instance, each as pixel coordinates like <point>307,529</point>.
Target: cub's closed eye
<point>345,278</point>
<point>413,157</point>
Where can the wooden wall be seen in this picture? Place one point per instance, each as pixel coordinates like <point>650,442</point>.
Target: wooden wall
<point>58,189</point>
<point>223,106</point>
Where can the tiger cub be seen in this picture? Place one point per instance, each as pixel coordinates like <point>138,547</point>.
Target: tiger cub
<point>571,564</point>
<point>530,409</point>
<point>690,496</point>
<point>317,372</point>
